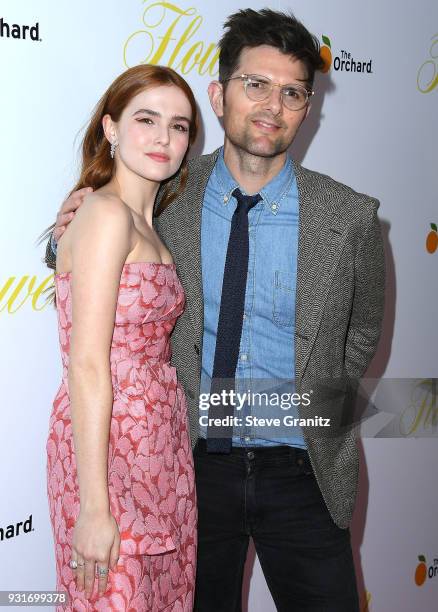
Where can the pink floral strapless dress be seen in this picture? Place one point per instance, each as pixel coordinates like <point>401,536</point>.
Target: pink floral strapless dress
<point>150,464</point>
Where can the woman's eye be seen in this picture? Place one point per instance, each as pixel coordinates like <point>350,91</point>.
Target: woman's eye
<point>146,120</point>
<point>180,128</point>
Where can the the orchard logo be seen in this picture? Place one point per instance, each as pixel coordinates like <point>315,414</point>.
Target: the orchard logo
<point>422,572</point>
<point>19,31</point>
<point>16,529</point>
<point>344,61</point>
<point>427,76</point>
<point>432,239</point>
<point>326,53</point>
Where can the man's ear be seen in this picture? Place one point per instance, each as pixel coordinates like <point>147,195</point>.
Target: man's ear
<point>109,129</point>
<point>216,95</point>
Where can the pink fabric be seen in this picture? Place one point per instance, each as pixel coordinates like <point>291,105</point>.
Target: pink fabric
<point>150,464</point>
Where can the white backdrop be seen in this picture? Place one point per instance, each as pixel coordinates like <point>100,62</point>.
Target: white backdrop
<point>374,131</point>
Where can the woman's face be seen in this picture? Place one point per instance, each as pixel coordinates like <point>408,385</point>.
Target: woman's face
<point>153,132</point>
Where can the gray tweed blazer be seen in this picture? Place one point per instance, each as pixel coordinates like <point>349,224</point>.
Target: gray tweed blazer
<point>339,311</point>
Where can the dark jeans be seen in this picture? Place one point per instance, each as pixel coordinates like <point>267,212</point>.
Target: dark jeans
<point>271,495</point>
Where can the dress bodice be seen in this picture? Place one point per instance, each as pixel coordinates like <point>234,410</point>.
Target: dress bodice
<point>150,300</point>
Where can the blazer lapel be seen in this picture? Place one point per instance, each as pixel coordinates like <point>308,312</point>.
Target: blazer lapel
<point>320,242</point>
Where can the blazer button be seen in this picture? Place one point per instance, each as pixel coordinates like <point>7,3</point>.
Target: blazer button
<point>191,394</point>
<point>196,349</point>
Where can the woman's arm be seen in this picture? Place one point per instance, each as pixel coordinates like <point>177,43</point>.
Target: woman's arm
<point>100,244</point>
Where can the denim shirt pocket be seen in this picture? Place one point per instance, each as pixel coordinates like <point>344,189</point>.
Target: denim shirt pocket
<point>283,312</point>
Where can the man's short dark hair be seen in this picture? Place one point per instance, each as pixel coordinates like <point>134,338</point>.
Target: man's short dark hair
<point>249,28</point>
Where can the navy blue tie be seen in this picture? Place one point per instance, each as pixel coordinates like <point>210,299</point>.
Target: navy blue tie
<point>229,328</point>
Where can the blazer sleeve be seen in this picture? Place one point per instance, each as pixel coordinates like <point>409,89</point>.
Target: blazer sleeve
<point>50,256</point>
<point>369,299</point>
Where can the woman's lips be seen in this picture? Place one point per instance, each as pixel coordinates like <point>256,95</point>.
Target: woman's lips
<point>159,157</point>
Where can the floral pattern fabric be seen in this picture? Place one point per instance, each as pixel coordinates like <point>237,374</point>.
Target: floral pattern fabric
<point>150,464</point>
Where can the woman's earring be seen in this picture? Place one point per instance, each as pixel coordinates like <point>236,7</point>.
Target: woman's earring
<point>113,149</point>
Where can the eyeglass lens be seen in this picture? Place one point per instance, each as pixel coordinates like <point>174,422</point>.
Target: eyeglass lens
<point>294,97</point>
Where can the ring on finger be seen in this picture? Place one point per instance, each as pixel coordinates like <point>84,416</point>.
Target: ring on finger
<point>101,571</point>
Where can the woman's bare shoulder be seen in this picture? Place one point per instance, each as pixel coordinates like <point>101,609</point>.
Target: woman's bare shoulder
<point>105,208</point>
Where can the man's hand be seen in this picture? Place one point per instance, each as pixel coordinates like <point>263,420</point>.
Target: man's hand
<point>68,209</point>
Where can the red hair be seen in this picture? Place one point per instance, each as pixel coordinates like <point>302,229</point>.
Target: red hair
<point>97,165</point>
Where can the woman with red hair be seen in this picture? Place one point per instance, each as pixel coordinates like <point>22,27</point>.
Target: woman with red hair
<point>120,468</point>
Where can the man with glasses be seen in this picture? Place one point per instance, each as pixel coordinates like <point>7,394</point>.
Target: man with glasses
<point>283,270</point>
<point>259,88</point>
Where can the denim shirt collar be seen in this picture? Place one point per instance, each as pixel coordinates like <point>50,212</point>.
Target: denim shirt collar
<point>272,193</point>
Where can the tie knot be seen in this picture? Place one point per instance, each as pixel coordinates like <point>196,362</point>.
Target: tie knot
<point>244,201</point>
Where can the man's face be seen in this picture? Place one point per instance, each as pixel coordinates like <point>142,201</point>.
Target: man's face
<point>265,128</point>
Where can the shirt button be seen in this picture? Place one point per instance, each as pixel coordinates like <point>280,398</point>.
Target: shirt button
<point>250,455</point>
<point>243,357</point>
<point>274,206</point>
<point>244,316</point>
<point>226,198</point>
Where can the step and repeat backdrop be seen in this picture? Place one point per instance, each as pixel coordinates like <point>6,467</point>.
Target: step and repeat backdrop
<point>373,125</point>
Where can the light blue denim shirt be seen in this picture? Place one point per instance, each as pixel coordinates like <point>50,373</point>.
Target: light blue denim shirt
<point>267,352</point>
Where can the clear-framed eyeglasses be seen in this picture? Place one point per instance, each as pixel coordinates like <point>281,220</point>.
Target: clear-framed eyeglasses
<point>257,88</point>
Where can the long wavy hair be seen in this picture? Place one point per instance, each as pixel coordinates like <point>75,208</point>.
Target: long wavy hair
<point>97,166</point>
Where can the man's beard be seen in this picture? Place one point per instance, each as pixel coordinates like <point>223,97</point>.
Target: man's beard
<point>247,143</point>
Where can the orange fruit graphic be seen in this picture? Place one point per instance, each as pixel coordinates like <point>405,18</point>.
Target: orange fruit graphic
<point>432,239</point>
<point>421,571</point>
<point>326,54</point>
